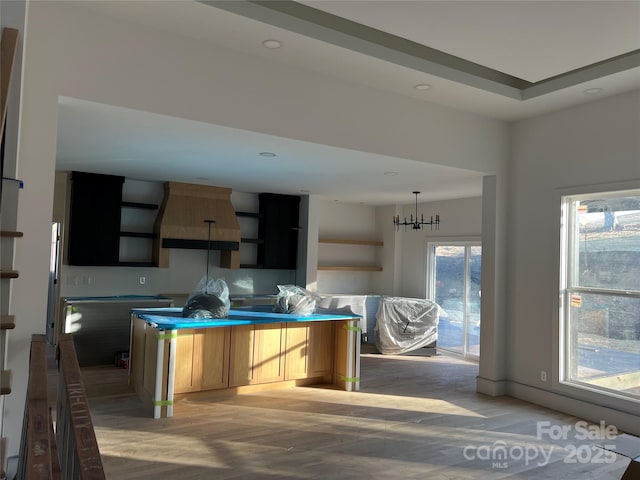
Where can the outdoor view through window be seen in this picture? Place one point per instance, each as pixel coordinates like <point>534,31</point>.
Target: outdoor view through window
<point>601,307</point>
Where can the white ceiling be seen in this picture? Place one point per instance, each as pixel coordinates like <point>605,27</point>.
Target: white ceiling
<point>521,43</point>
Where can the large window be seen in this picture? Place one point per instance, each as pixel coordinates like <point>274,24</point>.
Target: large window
<point>600,308</point>
<point>454,283</point>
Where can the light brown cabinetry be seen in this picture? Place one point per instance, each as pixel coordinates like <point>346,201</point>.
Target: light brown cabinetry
<point>296,358</point>
<point>164,363</point>
<point>241,355</point>
<point>310,349</point>
<point>269,344</point>
<point>321,348</point>
<point>202,359</point>
<point>256,354</point>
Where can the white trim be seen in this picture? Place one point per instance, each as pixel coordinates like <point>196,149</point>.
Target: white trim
<point>493,388</point>
<point>467,242</point>
<point>597,398</point>
<point>625,420</point>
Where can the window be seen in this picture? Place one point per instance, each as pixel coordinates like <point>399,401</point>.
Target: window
<point>600,281</point>
<point>454,284</point>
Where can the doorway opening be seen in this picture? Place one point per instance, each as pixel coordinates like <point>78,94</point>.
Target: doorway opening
<point>453,281</point>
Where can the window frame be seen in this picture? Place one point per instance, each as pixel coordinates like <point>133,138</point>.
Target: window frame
<point>466,242</point>
<point>565,235</point>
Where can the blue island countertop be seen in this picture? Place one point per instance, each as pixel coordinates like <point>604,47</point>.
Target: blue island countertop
<point>170,318</point>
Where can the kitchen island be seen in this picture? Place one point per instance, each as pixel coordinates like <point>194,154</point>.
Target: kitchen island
<point>254,348</point>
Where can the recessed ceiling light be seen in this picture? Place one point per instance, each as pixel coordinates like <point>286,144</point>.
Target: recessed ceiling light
<point>593,91</point>
<point>272,44</point>
<point>390,174</point>
<point>422,86</point>
<point>267,154</point>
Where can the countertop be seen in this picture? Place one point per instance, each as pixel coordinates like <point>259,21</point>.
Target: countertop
<point>170,318</point>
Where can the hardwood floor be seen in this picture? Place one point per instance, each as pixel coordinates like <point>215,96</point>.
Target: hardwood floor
<point>414,418</point>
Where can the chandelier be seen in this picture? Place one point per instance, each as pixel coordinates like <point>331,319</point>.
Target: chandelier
<point>417,223</point>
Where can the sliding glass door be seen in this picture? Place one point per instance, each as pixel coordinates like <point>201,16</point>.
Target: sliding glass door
<point>454,283</point>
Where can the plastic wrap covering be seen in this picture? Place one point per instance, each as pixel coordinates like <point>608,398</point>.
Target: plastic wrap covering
<point>210,299</point>
<point>354,304</point>
<point>294,299</point>
<point>405,324</point>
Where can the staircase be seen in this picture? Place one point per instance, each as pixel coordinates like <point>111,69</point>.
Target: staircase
<point>8,235</point>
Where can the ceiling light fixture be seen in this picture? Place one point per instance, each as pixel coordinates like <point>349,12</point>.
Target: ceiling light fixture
<point>417,223</point>
<point>391,174</point>
<point>422,86</point>
<point>273,44</point>
<point>267,154</point>
<point>593,91</point>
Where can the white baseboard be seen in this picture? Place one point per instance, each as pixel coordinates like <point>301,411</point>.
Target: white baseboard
<point>624,421</point>
<point>493,388</point>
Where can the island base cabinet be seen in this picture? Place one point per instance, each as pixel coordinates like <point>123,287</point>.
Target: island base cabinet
<point>143,360</point>
<point>202,359</point>
<point>241,357</point>
<point>309,350</point>
<point>321,348</point>
<point>256,354</point>
<point>296,359</point>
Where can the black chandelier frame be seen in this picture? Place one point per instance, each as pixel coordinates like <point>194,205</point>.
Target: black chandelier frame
<point>418,222</point>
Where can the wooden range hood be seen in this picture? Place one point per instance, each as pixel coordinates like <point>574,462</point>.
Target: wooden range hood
<point>181,222</point>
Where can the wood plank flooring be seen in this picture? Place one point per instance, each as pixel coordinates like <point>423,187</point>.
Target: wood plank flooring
<point>415,418</point>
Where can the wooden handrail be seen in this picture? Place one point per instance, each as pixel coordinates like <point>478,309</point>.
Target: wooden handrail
<point>76,439</point>
<point>35,449</point>
<point>71,452</point>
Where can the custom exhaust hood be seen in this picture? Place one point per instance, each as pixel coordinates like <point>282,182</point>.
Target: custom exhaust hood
<point>181,222</point>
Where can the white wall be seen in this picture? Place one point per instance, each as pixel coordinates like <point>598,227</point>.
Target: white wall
<point>459,219</point>
<point>591,144</point>
<point>404,254</point>
<point>70,51</point>
<point>348,221</point>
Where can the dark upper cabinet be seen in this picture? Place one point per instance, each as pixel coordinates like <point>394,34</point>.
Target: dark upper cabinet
<point>278,229</point>
<point>94,219</point>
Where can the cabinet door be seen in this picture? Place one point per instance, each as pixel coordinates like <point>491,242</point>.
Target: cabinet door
<point>94,219</point>
<point>183,379</point>
<point>321,348</point>
<point>202,360</point>
<point>268,363</point>
<point>297,351</point>
<point>212,360</point>
<point>241,356</point>
<point>278,229</point>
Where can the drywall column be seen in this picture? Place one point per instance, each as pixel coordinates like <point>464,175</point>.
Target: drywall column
<point>388,281</point>
<point>492,372</point>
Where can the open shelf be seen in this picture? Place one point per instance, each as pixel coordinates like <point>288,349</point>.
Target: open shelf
<point>144,206</point>
<point>7,322</point>
<point>5,382</point>
<point>248,214</point>
<point>349,268</point>
<point>372,243</point>
<point>345,268</point>
<point>138,234</point>
<point>11,234</point>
